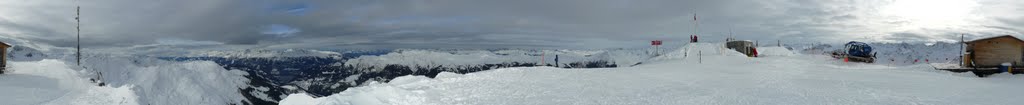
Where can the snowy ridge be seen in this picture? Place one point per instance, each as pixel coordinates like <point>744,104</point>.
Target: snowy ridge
<point>22,53</point>
<point>14,41</point>
<point>247,53</point>
<point>263,53</point>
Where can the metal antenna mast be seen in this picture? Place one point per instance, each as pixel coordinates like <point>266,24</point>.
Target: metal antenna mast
<point>78,27</point>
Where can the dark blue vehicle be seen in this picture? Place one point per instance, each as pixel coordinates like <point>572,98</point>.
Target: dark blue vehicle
<point>861,49</point>
<point>856,52</point>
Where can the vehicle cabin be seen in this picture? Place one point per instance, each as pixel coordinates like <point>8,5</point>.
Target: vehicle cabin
<point>3,56</point>
<point>993,51</point>
<point>743,46</point>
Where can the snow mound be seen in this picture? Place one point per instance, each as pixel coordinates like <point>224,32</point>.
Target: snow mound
<point>188,83</point>
<point>774,51</point>
<point>693,51</point>
<point>159,82</point>
<point>406,90</point>
<point>298,99</point>
<point>52,82</point>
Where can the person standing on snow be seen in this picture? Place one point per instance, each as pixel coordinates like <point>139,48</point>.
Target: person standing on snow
<point>754,50</point>
<point>691,38</point>
<point>556,61</point>
<point>694,38</point>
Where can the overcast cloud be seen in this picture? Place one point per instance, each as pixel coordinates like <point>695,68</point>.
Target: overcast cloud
<point>501,23</point>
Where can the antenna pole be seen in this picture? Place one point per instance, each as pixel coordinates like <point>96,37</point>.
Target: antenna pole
<point>78,27</point>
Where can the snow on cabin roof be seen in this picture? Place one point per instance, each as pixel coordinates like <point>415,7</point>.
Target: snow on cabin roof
<point>1010,36</point>
<point>5,44</point>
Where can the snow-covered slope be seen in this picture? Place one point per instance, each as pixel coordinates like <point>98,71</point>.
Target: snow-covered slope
<point>159,82</point>
<point>695,52</point>
<point>905,54</point>
<point>774,51</point>
<point>53,82</point>
<point>22,53</point>
<point>716,79</point>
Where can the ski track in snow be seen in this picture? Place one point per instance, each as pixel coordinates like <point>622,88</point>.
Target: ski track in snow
<point>721,77</point>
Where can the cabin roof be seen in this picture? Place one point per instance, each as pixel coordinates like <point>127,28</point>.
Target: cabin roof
<point>989,38</point>
<point>4,44</point>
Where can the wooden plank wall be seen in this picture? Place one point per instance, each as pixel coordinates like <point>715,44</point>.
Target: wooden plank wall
<point>993,52</point>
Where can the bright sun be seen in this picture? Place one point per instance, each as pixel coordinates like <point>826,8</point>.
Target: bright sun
<point>930,13</point>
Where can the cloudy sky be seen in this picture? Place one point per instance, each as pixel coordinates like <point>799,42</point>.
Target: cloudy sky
<point>500,23</point>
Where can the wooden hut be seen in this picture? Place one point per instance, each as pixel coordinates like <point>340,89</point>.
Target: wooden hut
<point>993,51</point>
<point>3,56</point>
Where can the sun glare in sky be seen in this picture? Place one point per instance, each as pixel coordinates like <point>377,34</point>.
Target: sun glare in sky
<point>930,13</point>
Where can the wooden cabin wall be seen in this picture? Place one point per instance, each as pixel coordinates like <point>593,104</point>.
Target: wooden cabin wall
<point>3,58</point>
<point>993,52</point>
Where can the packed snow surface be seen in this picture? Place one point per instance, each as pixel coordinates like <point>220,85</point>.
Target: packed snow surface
<point>715,76</point>
<point>774,51</point>
<point>52,82</point>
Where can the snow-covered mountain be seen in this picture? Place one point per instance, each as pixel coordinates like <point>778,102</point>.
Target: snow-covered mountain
<point>22,53</point>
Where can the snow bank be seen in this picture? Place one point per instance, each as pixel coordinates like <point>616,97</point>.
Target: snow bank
<point>400,91</point>
<point>188,83</point>
<point>52,82</point>
<point>129,81</point>
<point>718,80</point>
<point>298,99</point>
<point>694,51</point>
